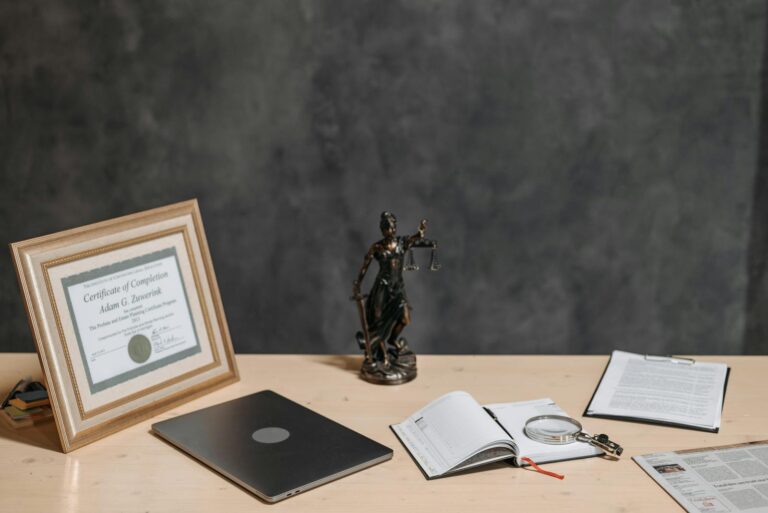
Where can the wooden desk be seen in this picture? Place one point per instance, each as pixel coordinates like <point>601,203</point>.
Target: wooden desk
<point>135,471</point>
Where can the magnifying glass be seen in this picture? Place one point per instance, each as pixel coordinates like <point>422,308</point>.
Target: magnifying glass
<point>561,430</point>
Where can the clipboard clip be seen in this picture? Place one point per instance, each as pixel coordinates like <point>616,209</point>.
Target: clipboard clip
<point>669,358</point>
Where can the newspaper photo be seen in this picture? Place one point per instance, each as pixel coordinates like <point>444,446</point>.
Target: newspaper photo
<point>714,479</point>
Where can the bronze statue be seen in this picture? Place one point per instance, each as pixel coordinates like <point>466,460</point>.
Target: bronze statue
<point>385,311</point>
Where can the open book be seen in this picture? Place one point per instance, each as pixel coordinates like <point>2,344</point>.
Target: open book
<point>454,433</point>
<point>665,390</point>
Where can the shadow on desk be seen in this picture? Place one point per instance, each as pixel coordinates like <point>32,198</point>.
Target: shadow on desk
<point>43,435</point>
<point>346,362</point>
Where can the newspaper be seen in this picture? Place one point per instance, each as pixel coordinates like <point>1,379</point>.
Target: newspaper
<point>715,479</point>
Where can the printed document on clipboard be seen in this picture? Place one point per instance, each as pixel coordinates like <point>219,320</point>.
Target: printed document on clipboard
<point>671,391</point>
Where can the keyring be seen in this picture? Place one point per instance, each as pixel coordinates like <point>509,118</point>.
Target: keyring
<point>561,430</point>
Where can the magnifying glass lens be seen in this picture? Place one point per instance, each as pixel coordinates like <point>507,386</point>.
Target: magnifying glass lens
<point>552,429</point>
<point>559,430</point>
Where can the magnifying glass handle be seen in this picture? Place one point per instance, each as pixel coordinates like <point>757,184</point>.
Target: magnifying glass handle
<point>602,442</point>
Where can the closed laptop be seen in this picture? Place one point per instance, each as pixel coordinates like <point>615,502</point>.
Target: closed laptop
<point>271,445</point>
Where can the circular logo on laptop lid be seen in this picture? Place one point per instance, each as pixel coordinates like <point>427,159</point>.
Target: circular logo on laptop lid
<point>270,435</point>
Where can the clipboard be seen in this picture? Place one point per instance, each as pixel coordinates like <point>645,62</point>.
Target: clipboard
<point>641,420</point>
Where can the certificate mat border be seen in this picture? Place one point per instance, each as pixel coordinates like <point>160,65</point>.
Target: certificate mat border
<point>34,296</point>
<point>112,269</point>
<point>86,414</point>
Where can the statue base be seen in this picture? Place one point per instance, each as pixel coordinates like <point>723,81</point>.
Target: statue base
<point>399,367</point>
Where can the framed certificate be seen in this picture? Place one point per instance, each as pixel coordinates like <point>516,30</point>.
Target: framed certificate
<point>127,319</point>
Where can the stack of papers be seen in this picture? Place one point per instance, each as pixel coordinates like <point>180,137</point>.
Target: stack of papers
<point>661,390</point>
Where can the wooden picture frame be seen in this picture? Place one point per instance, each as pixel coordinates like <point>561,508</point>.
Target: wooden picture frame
<point>127,319</point>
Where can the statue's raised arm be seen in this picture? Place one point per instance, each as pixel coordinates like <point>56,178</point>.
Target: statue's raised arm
<point>417,240</point>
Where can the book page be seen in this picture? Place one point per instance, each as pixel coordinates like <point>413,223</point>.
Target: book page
<point>662,389</point>
<point>717,479</point>
<point>513,416</point>
<point>448,431</point>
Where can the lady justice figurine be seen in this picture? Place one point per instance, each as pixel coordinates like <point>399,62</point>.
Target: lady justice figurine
<point>385,311</point>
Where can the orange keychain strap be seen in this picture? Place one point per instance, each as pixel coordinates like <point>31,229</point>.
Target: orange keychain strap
<point>541,470</point>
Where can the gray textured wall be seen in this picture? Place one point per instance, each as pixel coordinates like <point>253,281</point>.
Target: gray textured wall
<point>588,167</point>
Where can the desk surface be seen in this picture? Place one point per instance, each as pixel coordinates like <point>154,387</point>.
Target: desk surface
<point>135,471</point>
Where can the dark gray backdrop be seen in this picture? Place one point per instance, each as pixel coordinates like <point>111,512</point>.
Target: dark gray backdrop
<point>592,169</point>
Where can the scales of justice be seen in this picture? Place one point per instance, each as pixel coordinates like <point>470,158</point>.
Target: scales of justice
<point>385,311</point>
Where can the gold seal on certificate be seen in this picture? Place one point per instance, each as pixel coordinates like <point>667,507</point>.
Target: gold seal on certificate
<point>139,348</point>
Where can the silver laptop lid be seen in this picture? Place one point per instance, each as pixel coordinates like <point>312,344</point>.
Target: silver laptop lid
<point>271,445</point>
